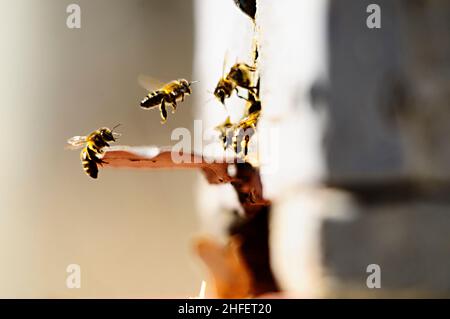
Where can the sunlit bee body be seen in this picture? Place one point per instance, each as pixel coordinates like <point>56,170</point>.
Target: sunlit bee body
<point>244,131</point>
<point>238,135</point>
<point>170,93</point>
<point>240,76</point>
<point>92,152</point>
<point>246,127</point>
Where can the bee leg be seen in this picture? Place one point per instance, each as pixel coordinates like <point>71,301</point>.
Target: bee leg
<point>253,89</point>
<point>246,142</point>
<point>224,145</point>
<point>174,106</point>
<point>236,144</point>
<point>163,112</point>
<point>182,97</point>
<point>240,96</point>
<point>225,142</point>
<point>101,162</point>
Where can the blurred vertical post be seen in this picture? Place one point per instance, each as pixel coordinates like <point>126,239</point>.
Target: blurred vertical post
<point>377,192</point>
<point>353,140</point>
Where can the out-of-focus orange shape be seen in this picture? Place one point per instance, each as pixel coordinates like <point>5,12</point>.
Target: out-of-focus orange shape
<point>230,275</point>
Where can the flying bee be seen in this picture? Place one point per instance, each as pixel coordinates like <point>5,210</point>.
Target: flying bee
<point>239,76</point>
<point>169,93</point>
<point>226,130</point>
<point>92,152</point>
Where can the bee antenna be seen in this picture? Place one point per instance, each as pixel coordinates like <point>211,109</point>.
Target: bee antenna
<point>116,126</point>
<point>192,82</point>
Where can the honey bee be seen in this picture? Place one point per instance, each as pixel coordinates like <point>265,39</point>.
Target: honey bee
<point>92,152</point>
<point>169,93</point>
<point>240,75</point>
<point>226,130</point>
<point>238,135</point>
<point>244,131</point>
<point>246,128</point>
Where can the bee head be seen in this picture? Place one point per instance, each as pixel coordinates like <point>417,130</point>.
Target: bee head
<point>185,85</point>
<point>107,134</point>
<point>220,94</point>
<point>223,90</point>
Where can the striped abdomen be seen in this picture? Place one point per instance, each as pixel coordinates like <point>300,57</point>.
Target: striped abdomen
<point>153,99</point>
<point>89,162</point>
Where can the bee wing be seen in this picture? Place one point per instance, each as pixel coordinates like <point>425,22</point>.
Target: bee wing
<point>149,83</point>
<point>224,125</point>
<point>76,142</point>
<point>225,61</point>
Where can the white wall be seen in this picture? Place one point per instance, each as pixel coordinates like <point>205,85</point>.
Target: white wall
<point>292,47</point>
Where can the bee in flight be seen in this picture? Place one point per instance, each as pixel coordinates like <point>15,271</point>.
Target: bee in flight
<point>239,76</point>
<point>92,152</point>
<point>169,93</point>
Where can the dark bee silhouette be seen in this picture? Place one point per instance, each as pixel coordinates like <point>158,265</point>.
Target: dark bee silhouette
<point>248,7</point>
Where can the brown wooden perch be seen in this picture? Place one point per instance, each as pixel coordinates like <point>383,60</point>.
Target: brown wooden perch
<point>236,270</point>
<point>153,157</point>
<point>246,181</point>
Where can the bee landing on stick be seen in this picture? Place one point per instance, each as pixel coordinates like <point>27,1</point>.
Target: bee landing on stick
<point>93,144</point>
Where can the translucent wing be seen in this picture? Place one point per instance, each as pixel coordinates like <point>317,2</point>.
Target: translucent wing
<point>149,83</point>
<point>224,65</point>
<point>224,125</point>
<point>76,142</point>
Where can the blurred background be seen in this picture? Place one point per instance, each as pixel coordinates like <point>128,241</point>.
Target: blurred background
<point>361,172</point>
<point>129,231</point>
